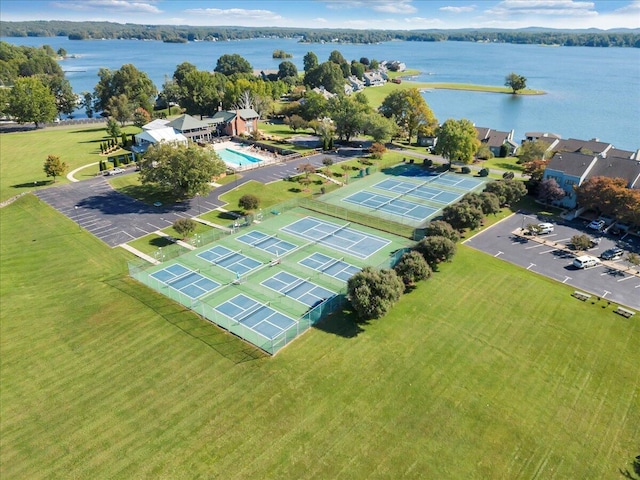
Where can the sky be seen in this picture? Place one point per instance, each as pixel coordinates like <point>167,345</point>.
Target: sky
<point>355,14</point>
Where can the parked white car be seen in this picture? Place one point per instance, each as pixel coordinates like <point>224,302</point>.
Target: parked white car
<point>115,171</point>
<point>585,261</point>
<point>597,225</point>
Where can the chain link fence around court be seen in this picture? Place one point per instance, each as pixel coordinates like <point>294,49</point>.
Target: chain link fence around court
<point>142,271</point>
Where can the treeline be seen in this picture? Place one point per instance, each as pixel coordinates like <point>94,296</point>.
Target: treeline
<point>177,33</point>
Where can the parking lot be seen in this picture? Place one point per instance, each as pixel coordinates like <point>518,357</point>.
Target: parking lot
<point>610,280</point>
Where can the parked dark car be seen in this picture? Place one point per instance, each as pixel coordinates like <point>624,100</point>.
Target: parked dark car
<point>612,254</point>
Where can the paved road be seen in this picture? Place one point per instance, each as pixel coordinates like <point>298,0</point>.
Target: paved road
<point>604,281</point>
<point>116,218</point>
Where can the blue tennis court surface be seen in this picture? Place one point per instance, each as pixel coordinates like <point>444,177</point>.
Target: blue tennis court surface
<point>334,267</point>
<point>235,262</point>
<point>257,316</point>
<point>463,183</point>
<point>266,242</point>
<point>185,280</point>
<point>338,237</point>
<point>423,190</point>
<point>392,205</point>
<point>298,288</point>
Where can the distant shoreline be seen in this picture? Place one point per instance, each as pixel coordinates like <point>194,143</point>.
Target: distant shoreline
<point>426,86</point>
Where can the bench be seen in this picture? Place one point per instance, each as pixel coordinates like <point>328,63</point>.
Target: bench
<point>624,312</point>
<point>581,295</point>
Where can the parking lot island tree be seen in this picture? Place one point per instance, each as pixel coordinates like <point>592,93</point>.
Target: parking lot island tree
<point>184,227</point>
<point>186,171</point>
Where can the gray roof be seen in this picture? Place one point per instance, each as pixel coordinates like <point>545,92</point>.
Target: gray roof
<point>493,138</point>
<point>574,145</point>
<point>571,163</point>
<point>618,167</point>
<point>227,116</point>
<point>185,122</point>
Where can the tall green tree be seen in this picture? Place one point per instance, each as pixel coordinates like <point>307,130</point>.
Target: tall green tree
<point>515,82</point>
<point>120,108</point>
<point>310,61</point>
<point>328,75</point>
<point>230,64</point>
<point>348,116</point>
<point>31,101</point>
<point>532,151</point>
<point>54,167</point>
<point>127,80</point>
<point>113,128</point>
<point>202,92</point>
<point>436,250</point>
<point>185,171</point>
<point>457,141</point>
<point>66,101</point>
<point>287,69</point>
<point>314,106</point>
<point>379,127</point>
<point>409,110</point>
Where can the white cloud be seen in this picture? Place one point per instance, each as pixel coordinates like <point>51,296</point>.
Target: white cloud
<point>320,20</point>
<point>469,8</point>
<point>633,8</point>
<point>109,5</point>
<point>543,8</point>
<point>386,6</point>
<point>235,13</point>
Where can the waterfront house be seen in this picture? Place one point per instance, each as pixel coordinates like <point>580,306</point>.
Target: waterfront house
<point>192,128</point>
<point>500,143</point>
<point>572,169</point>
<point>156,136</point>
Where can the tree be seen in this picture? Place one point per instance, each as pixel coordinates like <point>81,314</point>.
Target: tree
<point>287,69</point>
<point>490,203</point>
<point>314,106</point>
<point>336,57</point>
<point>610,196</point>
<point>327,75</point>
<point>181,71</point>
<point>296,122</point>
<point>515,82</point>
<point>409,110</point>
<point>310,61</point>
<point>201,92</point>
<point>113,129</point>
<point>377,150</point>
<point>141,117</point>
<point>86,101</point>
<point>249,201</point>
<point>440,228</point>
<point>373,292</point>
<point>436,250</point>
<point>508,191</point>
<point>535,170</point>
<point>31,101</point>
<point>549,191</point>
<point>229,64</point>
<point>532,151</point>
<point>60,87</point>
<point>186,171</point>
<point>54,167</point>
<point>348,116</point>
<point>184,227</point>
<point>379,127</point>
<point>306,168</point>
<point>462,215</point>
<point>120,108</point>
<point>127,80</point>
<point>457,141</point>
<point>581,242</point>
<point>412,268</point>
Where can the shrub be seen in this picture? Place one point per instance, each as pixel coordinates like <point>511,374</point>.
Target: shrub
<point>249,202</point>
<point>436,250</point>
<point>412,268</point>
<point>508,175</point>
<point>440,228</point>
<point>373,292</point>
<point>427,162</point>
<point>184,227</point>
<point>465,169</point>
<point>484,172</point>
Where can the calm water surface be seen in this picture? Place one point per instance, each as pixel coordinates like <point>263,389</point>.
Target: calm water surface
<point>591,92</point>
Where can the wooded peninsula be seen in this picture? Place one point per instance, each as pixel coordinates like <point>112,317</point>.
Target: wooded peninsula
<point>183,33</point>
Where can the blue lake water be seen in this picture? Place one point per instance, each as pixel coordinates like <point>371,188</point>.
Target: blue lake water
<point>591,92</point>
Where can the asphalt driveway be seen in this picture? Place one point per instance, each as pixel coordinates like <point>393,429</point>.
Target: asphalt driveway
<point>116,218</point>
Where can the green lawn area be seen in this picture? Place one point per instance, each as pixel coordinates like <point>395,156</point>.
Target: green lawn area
<point>503,163</point>
<point>484,371</point>
<point>23,154</point>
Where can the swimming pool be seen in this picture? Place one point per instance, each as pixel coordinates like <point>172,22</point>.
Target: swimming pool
<point>236,158</point>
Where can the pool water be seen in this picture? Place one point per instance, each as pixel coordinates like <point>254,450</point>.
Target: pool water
<point>236,158</point>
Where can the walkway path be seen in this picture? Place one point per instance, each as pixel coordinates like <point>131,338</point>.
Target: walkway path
<point>70,175</point>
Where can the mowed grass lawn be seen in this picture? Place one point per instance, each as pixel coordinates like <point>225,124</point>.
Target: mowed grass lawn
<point>22,155</point>
<point>485,371</point>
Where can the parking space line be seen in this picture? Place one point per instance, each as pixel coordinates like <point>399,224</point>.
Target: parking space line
<point>531,265</point>
<point>534,246</point>
<point>547,251</point>
<point>498,254</point>
<point>566,279</point>
<point>626,278</point>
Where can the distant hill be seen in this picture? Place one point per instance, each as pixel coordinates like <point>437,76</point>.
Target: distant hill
<point>185,33</point>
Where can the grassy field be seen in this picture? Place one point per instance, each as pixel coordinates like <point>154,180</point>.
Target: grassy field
<point>23,155</point>
<point>484,371</point>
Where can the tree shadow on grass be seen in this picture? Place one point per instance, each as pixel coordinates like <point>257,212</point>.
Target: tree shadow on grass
<point>37,183</point>
<point>224,343</point>
<point>343,323</point>
<point>160,242</point>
